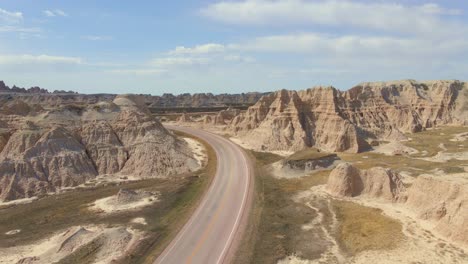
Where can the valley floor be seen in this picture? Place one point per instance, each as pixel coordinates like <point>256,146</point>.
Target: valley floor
<point>298,221</point>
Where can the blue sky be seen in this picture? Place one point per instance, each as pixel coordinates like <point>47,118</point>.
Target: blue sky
<point>228,46</point>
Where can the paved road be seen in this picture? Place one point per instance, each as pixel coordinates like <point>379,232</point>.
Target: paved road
<point>212,231</point>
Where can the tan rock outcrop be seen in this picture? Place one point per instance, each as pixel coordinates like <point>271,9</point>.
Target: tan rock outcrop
<point>336,121</point>
<point>104,147</point>
<point>288,120</point>
<point>70,145</point>
<point>152,150</point>
<point>348,181</point>
<point>53,161</point>
<point>444,202</point>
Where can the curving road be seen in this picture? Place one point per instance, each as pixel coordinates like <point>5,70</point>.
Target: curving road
<point>212,233</point>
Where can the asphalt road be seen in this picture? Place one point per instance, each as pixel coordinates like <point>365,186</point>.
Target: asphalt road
<point>212,232</point>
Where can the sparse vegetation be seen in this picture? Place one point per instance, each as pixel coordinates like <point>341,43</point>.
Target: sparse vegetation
<point>429,141</point>
<point>278,218</point>
<point>265,158</point>
<point>309,153</point>
<point>364,228</point>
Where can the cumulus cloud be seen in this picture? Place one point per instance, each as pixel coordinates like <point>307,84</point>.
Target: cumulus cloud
<point>54,13</point>
<point>200,49</point>
<point>38,59</point>
<point>10,17</point>
<point>386,16</point>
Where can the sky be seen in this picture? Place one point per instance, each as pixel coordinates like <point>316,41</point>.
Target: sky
<point>188,46</point>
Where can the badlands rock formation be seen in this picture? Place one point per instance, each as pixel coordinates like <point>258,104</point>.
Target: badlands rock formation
<point>336,121</point>
<point>202,100</point>
<point>347,180</point>
<point>66,147</point>
<point>442,200</point>
<point>40,96</point>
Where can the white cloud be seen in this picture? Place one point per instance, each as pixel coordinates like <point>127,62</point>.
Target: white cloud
<point>419,19</point>
<point>200,49</point>
<point>238,58</point>
<point>49,13</point>
<point>178,61</point>
<point>432,8</point>
<point>60,13</point>
<point>353,45</point>
<point>10,17</point>
<point>19,29</point>
<point>139,71</point>
<point>96,38</point>
<point>39,59</point>
<point>53,13</point>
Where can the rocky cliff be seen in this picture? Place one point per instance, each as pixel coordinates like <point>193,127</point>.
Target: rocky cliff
<point>66,147</point>
<point>348,181</point>
<point>337,121</point>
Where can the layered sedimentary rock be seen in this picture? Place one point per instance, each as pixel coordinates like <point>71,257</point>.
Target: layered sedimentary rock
<point>66,147</point>
<point>336,121</point>
<point>348,181</point>
<point>32,163</point>
<point>440,200</point>
<point>104,147</point>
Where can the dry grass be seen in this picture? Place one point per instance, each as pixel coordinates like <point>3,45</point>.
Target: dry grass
<point>278,219</point>
<point>426,140</point>
<point>265,158</point>
<point>429,140</point>
<point>308,154</point>
<point>364,228</point>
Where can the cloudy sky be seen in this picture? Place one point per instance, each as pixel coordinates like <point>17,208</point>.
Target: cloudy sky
<point>229,46</point>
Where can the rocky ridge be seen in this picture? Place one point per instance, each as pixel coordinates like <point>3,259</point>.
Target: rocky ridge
<point>44,98</point>
<point>345,121</point>
<point>66,147</point>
